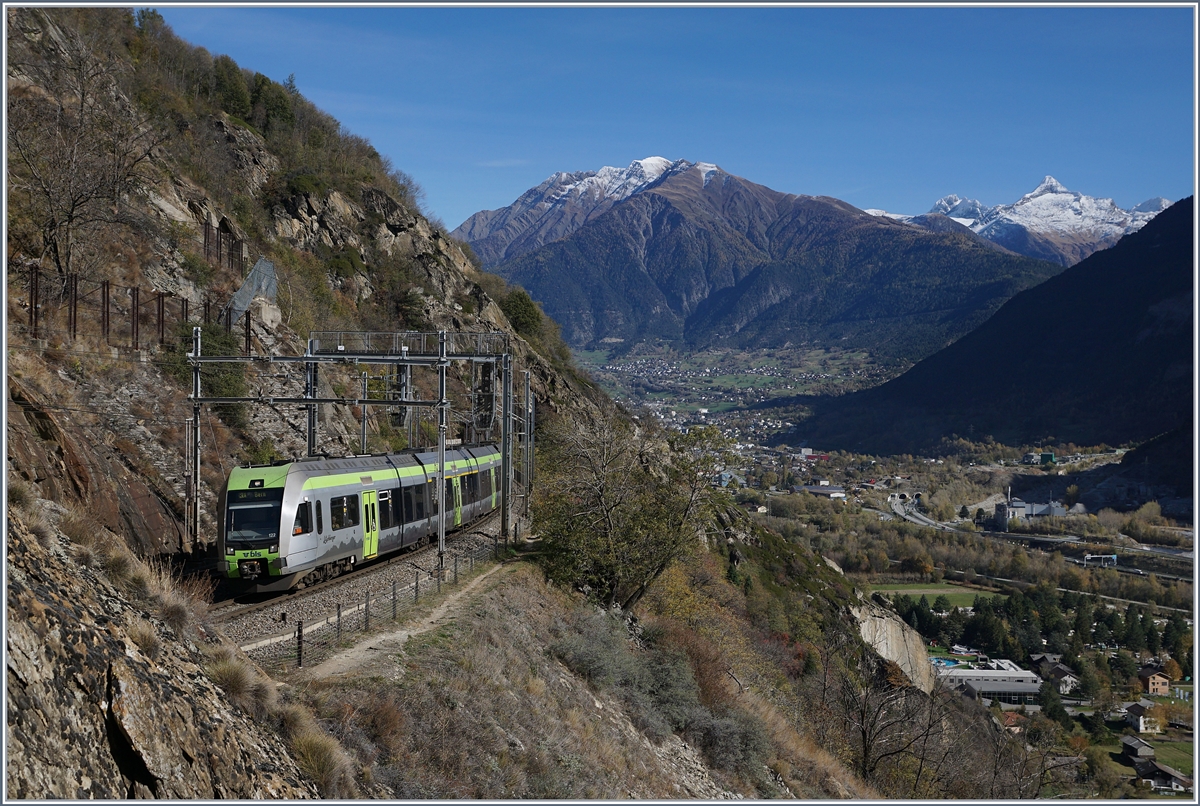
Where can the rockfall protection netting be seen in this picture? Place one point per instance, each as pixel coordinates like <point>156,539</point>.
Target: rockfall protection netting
<point>260,282</point>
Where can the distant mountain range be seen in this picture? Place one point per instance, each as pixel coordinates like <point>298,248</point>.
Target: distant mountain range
<point>689,253</point>
<point>1050,222</point>
<point>1103,352</point>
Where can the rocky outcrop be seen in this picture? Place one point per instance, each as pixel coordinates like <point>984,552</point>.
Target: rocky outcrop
<point>90,715</point>
<point>897,642</point>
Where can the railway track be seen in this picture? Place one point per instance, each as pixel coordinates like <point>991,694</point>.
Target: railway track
<point>422,559</point>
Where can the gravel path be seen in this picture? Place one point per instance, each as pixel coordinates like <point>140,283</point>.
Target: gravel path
<point>361,655</point>
<point>281,616</point>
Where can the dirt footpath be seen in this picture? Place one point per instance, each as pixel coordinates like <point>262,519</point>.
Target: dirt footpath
<point>375,652</point>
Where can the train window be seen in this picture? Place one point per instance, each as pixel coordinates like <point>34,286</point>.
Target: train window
<point>320,525</point>
<point>433,498</point>
<point>386,521</point>
<point>418,502</point>
<point>343,512</point>
<point>449,499</point>
<point>303,523</point>
<point>407,499</point>
<point>485,484</point>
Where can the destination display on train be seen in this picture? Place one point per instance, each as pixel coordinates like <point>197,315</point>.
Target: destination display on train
<point>255,496</point>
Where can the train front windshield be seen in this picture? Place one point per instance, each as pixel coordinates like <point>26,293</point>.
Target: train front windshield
<point>252,517</point>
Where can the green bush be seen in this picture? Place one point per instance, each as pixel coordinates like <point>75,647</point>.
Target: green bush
<point>524,315</point>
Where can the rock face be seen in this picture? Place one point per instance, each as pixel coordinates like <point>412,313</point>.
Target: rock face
<point>91,716</point>
<point>896,641</point>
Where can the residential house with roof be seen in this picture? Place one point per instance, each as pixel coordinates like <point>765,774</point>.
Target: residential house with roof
<point>1065,679</point>
<point>1161,777</point>
<point>1136,749</point>
<point>1154,681</point>
<point>1139,717</point>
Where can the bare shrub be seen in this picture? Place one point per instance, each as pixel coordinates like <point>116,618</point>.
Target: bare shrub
<point>320,757</point>
<point>143,634</point>
<point>387,725</point>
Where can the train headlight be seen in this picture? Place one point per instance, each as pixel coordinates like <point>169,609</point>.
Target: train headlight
<point>274,549</point>
<point>229,551</point>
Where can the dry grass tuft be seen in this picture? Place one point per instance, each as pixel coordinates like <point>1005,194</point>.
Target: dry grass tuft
<point>20,494</point>
<point>173,607</point>
<point>247,690</point>
<point>42,531</point>
<point>320,757</point>
<point>143,634</point>
<point>84,555</point>
<point>220,652</point>
<point>233,676</point>
<point>118,565</point>
<point>78,529</point>
<point>293,720</point>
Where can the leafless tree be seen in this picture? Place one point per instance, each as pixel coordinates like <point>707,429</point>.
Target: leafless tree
<point>78,150</point>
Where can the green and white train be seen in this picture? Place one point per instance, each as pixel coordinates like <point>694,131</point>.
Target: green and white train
<point>300,522</point>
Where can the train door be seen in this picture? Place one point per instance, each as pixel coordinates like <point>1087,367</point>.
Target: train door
<point>492,482</point>
<point>456,484</point>
<point>370,521</point>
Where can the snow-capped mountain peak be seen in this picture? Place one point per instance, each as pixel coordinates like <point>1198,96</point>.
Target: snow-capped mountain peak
<point>1050,222</point>
<point>1151,206</point>
<point>1049,185</point>
<point>563,202</point>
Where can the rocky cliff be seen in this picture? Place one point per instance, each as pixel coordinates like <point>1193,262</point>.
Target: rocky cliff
<point>92,715</point>
<point>896,641</point>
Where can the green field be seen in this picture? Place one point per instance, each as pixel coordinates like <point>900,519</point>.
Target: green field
<point>1175,754</point>
<point>958,595</point>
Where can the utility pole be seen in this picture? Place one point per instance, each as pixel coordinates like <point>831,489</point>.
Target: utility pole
<point>310,391</point>
<point>506,444</point>
<point>527,454</point>
<point>363,409</point>
<point>196,437</point>
<point>442,405</point>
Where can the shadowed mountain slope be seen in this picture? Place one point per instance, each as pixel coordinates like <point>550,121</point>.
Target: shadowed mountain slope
<point>1101,353</point>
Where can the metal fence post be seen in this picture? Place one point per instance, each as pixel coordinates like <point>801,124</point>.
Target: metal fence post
<point>394,600</point>
<point>417,588</point>
<point>299,643</point>
<point>439,581</point>
<point>339,623</point>
<point>367,612</point>
<point>456,569</point>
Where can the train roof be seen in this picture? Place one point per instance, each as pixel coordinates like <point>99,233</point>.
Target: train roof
<point>458,459</point>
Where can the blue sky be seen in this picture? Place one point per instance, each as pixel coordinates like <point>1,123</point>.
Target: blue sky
<point>882,107</point>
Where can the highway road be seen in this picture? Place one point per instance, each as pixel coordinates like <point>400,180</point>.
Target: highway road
<point>902,510</point>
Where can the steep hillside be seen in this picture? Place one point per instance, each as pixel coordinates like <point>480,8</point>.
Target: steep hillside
<point>1103,353</point>
<point>706,259</point>
<point>207,154</point>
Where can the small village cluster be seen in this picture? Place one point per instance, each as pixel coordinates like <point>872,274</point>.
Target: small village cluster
<point>1001,680</point>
